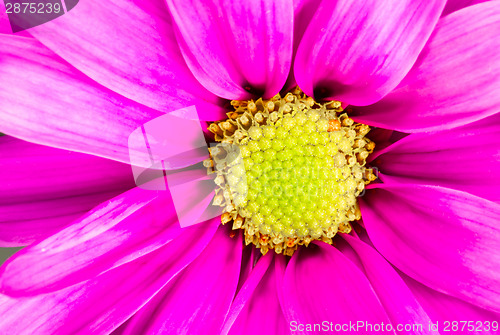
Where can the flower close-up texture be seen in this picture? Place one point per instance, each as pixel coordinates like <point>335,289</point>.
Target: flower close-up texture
<point>366,132</point>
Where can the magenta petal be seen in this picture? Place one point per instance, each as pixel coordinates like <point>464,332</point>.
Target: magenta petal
<point>465,158</point>
<point>119,231</point>
<point>100,305</point>
<point>197,301</point>
<point>130,48</point>
<point>32,172</point>
<point>454,5</point>
<point>262,310</point>
<point>455,81</point>
<point>304,11</point>
<point>22,224</point>
<point>248,261</point>
<point>358,51</point>
<point>173,141</point>
<point>445,239</point>
<point>121,329</point>
<point>192,192</point>
<point>44,100</point>
<point>44,189</point>
<point>321,284</point>
<point>256,306</point>
<point>390,288</point>
<point>192,199</point>
<point>5,27</point>
<point>248,47</point>
<point>444,308</point>
<point>247,288</point>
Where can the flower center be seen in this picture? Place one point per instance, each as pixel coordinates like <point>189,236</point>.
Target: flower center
<point>289,170</point>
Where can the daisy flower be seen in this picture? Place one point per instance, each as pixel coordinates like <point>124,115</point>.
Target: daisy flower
<point>317,96</point>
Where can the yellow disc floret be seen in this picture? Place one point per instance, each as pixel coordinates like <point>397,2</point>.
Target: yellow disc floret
<point>289,170</point>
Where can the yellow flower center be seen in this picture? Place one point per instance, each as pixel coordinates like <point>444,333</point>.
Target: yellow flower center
<point>289,170</point>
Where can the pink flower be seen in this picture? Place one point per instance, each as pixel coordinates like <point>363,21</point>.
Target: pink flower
<point>105,257</point>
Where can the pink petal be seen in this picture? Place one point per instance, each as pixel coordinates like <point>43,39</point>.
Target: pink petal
<point>455,81</point>
<point>44,189</point>
<point>358,51</point>
<point>130,48</point>
<point>444,309</point>
<point>248,286</point>
<point>349,252</point>
<point>256,306</point>
<point>172,141</point>
<point>395,296</point>
<point>197,301</point>
<point>304,11</point>
<point>121,329</point>
<point>465,158</point>
<point>22,224</point>
<point>46,101</point>
<point>321,284</point>
<point>454,5</point>
<point>446,239</point>
<point>5,27</point>
<point>119,231</point>
<point>249,258</point>
<point>248,47</point>
<point>34,172</point>
<point>192,199</point>
<point>263,310</point>
<point>100,305</point>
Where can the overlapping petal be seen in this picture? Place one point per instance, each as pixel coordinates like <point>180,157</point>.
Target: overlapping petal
<point>141,261</point>
<point>321,284</point>
<point>44,189</point>
<point>46,101</point>
<point>233,47</point>
<point>100,305</point>
<point>203,291</point>
<point>192,201</point>
<point>465,158</point>
<point>119,231</point>
<point>455,81</point>
<point>304,11</point>
<point>130,48</point>
<point>358,51</point>
<point>454,5</point>
<point>390,288</point>
<point>4,20</point>
<point>257,306</point>
<point>249,258</point>
<point>32,172</point>
<point>444,309</point>
<point>446,239</point>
